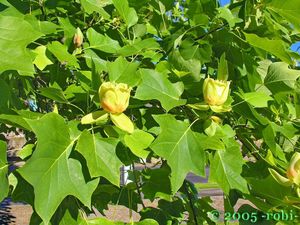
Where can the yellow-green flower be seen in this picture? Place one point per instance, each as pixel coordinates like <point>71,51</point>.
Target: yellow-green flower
<point>215,92</point>
<point>114,98</point>
<point>293,171</point>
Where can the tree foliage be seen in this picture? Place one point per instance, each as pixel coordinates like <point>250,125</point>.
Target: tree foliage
<point>54,55</point>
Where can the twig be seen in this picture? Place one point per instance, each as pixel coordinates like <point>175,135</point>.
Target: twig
<point>137,185</point>
<point>185,184</point>
<point>211,31</point>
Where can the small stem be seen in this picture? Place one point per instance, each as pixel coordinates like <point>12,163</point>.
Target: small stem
<point>185,184</point>
<point>249,146</point>
<point>211,31</point>
<point>137,185</point>
<point>75,106</point>
<point>130,205</point>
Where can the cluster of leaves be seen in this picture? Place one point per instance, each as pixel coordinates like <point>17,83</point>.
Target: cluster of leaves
<point>163,50</point>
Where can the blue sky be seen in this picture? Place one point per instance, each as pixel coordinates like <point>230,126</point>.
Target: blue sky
<point>294,47</point>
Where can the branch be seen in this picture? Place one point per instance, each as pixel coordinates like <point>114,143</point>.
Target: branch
<point>185,184</point>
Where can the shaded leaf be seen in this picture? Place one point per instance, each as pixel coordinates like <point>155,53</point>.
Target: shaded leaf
<point>280,78</point>
<point>54,94</point>
<point>153,189</point>
<point>289,10</point>
<point>3,171</point>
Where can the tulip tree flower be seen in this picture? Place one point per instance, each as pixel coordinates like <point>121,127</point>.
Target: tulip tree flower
<point>292,173</point>
<point>215,92</point>
<point>114,99</point>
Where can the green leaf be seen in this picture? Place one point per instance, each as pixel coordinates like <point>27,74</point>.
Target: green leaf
<point>99,221</point>
<point>280,78</point>
<point>181,147</point>
<point>60,51</point>
<point>50,171</point>
<point>122,71</point>
<point>226,14</point>
<point>94,61</point>
<point>200,52</point>
<point>226,167</point>
<point>41,60</point>
<point>91,6</point>
<point>14,120</point>
<point>103,221</point>
<point>178,62</point>
<point>25,151</point>
<point>122,122</point>
<point>223,68</point>
<point>45,27</point>
<point>138,47</point>
<point>290,10</point>
<point>54,94</point>
<point>102,42</point>
<point>18,120</point>
<point>95,117</point>
<point>274,47</point>
<point>155,85</point>
<point>3,171</point>
<point>15,35</point>
<point>145,222</point>
<point>128,14</point>
<point>269,190</point>
<point>100,154</point>
<point>138,141</point>
<point>257,99</point>
<point>297,99</point>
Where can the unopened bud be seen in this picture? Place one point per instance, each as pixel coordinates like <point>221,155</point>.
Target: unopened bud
<point>78,38</point>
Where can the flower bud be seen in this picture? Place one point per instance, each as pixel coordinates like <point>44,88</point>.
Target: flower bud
<point>114,97</point>
<point>215,92</point>
<point>78,38</point>
<point>293,171</point>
